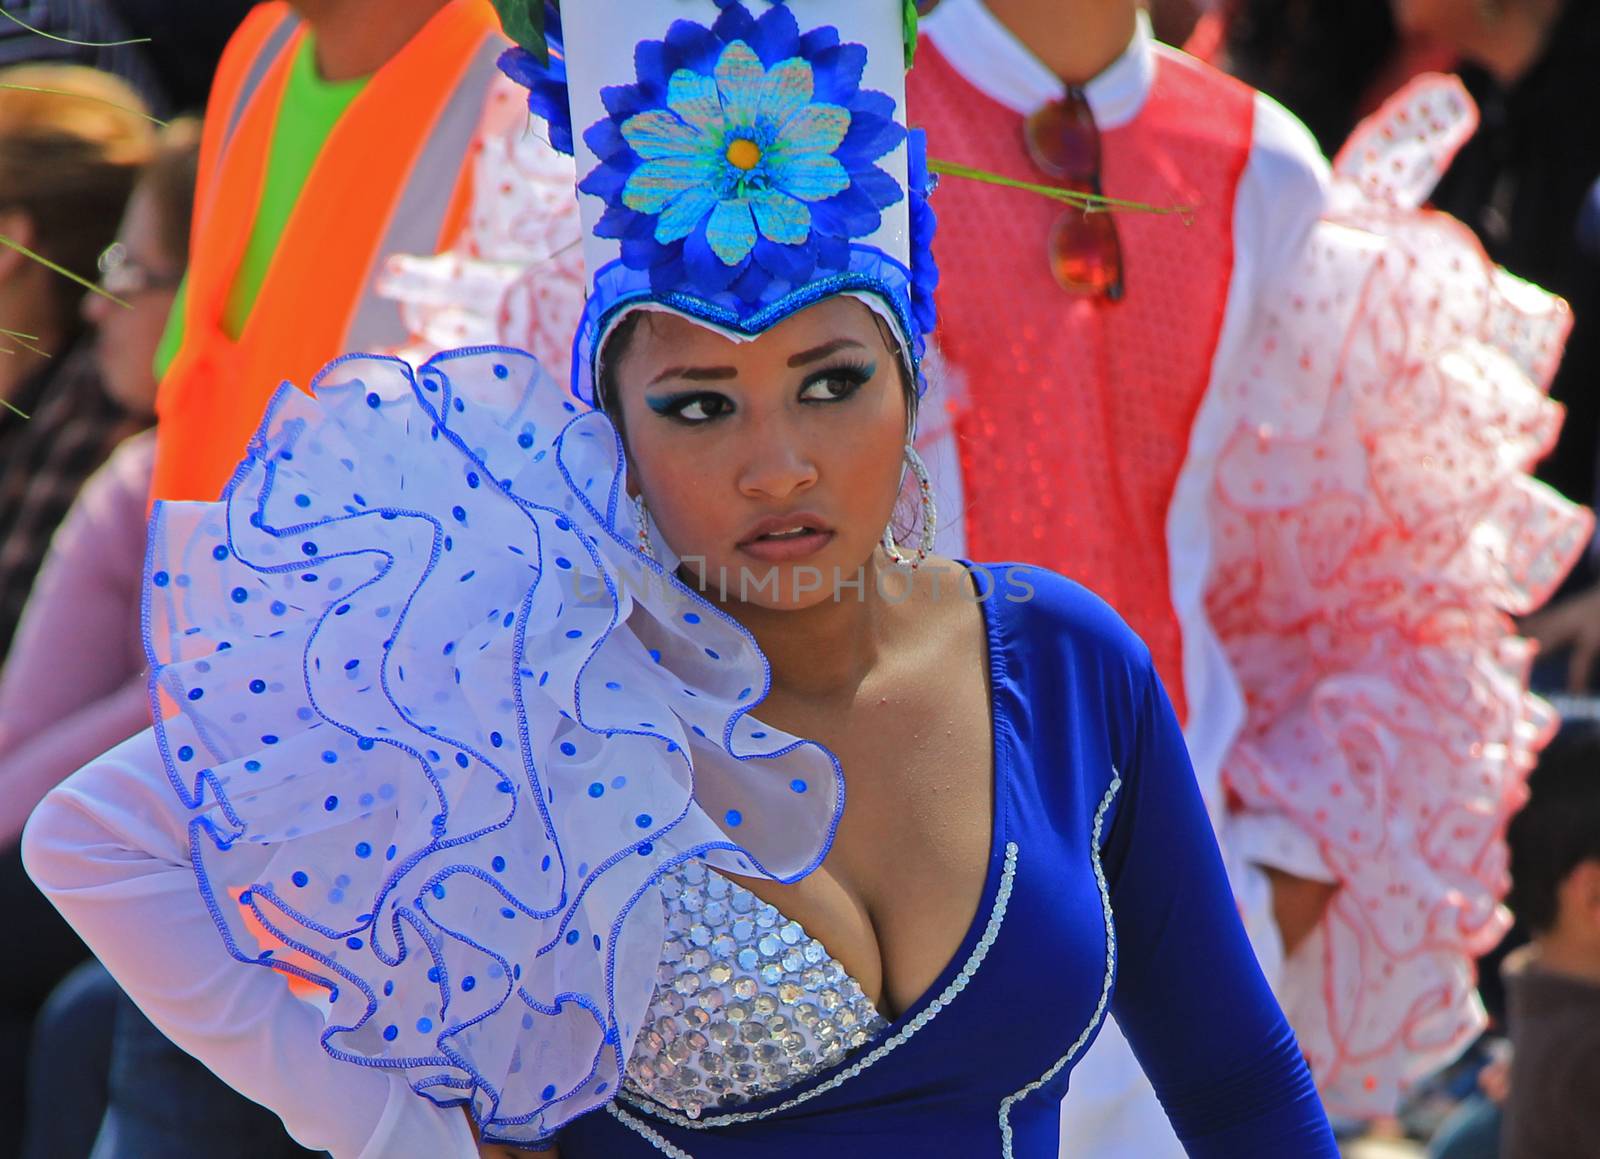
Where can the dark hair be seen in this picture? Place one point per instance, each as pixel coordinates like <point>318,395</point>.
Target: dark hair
<point>1316,57</point>
<point>169,178</point>
<point>1559,828</point>
<point>72,142</point>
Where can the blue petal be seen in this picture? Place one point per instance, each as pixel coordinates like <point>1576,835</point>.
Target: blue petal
<point>776,36</point>
<point>872,103</point>
<point>655,183</point>
<point>731,231</point>
<point>787,90</point>
<point>869,138</point>
<point>688,45</point>
<point>818,40</point>
<point>790,263</point>
<point>814,129</point>
<point>735,23</point>
<point>810,176</point>
<point>694,98</point>
<point>833,253</point>
<point>622,102</point>
<point>686,213</point>
<point>605,142</point>
<point>710,275</point>
<point>781,217</point>
<point>883,190</point>
<point>839,72</point>
<point>605,182</point>
<point>849,214</point>
<point>659,133</point>
<point>740,79</point>
<point>751,284</point>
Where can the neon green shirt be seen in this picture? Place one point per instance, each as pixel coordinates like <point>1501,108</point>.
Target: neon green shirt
<point>310,108</point>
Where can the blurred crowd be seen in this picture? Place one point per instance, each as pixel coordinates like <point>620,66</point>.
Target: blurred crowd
<point>101,143</point>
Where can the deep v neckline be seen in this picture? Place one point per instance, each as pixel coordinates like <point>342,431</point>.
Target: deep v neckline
<point>1000,750</point>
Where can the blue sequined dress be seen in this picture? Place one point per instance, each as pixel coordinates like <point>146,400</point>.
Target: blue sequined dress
<point>450,785</point>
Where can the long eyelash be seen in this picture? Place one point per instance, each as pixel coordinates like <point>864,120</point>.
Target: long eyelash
<point>673,405</point>
<point>857,374</point>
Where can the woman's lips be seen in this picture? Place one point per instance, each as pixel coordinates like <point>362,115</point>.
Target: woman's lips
<point>784,540</point>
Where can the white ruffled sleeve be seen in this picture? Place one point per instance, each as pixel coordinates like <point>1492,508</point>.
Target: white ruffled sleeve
<point>1374,524</point>
<point>110,849</point>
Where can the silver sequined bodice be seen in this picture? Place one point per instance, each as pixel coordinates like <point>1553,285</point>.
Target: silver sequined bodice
<point>746,1002</point>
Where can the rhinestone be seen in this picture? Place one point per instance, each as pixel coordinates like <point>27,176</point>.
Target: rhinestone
<point>671,1001</point>
<point>793,962</point>
<point>692,872</point>
<point>752,1032</point>
<point>719,974</point>
<point>770,946</point>
<point>692,1107</point>
<point>697,959</point>
<point>711,1062</point>
<point>739,1052</point>
<point>768,1053</point>
<point>771,973</point>
<point>745,988</point>
<point>745,1073</point>
<point>667,1028</point>
<point>792,934</point>
<point>743,929</point>
<point>793,1041</point>
<point>845,1018</point>
<point>671,887</point>
<point>671,951</point>
<point>721,1033</point>
<point>829,999</point>
<point>695,1040</point>
<point>807,1015</point>
<point>748,958</point>
<point>712,1000</point>
<point>678,1052</point>
<point>723,946</point>
<point>715,913</point>
<point>765,1004</point>
<point>789,993</point>
<point>822,1031</point>
<point>738,1012</point>
<point>718,1084</point>
<point>766,917</point>
<point>742,902</point>
<point>686,984</point>
<point>653,1042</point>
<point>813,980</point>
<point>697,1017</point>
<point>814,953</point>
<point>700,934</point>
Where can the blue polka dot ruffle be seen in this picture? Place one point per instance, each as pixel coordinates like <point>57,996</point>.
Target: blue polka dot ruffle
<point>441,726</point>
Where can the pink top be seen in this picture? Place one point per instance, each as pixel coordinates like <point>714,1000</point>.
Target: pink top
<point>73,684</point>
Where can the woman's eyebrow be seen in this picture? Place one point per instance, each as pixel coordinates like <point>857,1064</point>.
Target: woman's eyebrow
<point>817,353</point>
<point>696,374</point>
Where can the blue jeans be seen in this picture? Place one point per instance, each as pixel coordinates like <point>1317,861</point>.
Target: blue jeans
<point>164,1103</point>
<point>1471,1132</point>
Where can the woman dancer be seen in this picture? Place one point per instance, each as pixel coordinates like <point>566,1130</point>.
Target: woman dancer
<point>480,706</point>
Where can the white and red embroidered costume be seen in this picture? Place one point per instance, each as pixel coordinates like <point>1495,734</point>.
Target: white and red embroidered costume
<point>1295,458</point>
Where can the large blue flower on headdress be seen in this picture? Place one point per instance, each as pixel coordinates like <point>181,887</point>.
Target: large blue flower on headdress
<point>743,156</point>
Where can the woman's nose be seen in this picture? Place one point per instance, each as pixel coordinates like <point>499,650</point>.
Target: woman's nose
<point>95,309</point>
<point>778,465</point>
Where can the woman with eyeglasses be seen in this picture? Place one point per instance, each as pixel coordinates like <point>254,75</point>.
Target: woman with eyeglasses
<point>1286,430</point>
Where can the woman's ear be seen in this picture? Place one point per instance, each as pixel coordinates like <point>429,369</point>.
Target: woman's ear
<point>16,228</point>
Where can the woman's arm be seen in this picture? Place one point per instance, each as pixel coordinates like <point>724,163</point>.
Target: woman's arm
<point>110,848</point>
<point>1190,995</point>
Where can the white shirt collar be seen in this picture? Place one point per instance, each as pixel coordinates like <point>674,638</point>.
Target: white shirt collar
<point>996,63</point>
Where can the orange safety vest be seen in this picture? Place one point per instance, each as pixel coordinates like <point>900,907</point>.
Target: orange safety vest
<point>394,177</point>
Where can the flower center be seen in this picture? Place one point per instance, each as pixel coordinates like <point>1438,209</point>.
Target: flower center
<point>743,154</point>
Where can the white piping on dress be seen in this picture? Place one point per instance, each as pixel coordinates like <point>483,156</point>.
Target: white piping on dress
<point>1105,986</point>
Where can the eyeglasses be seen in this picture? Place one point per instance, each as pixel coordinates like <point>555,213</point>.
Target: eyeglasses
<point>124,277</point>
<point>1064,142</point>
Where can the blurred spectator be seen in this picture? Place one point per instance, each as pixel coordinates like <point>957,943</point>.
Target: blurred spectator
<point>71,686</point>
<point>68,159</point>
<point>1552,1107</point>
<point>186,39</point>
<point>86,32</point>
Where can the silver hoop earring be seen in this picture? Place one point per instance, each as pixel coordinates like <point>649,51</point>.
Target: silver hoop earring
<point>642,518</point>
<point>930,517</point>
